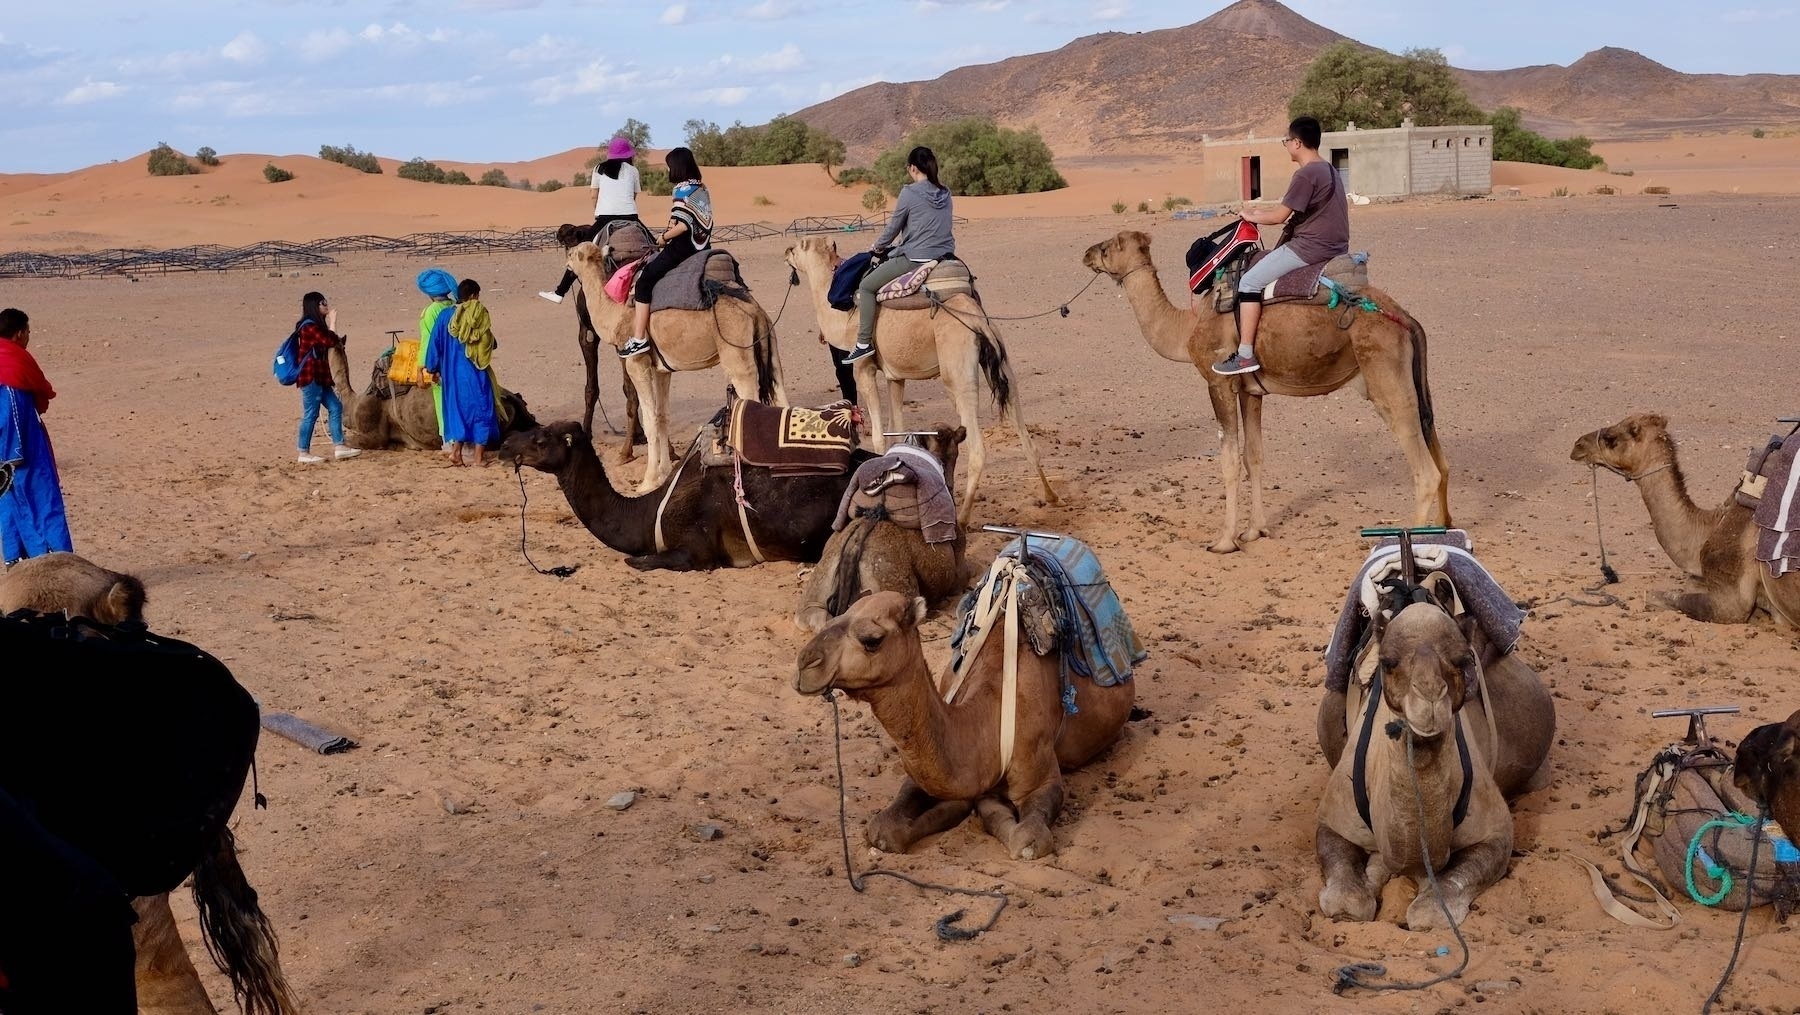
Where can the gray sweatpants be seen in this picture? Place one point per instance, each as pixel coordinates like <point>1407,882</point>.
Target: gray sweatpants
<point>883,273</point>
<point>1275,263</point>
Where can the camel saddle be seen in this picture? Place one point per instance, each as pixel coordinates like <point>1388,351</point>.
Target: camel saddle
<point>698,282</point>
<point>926,286</point>
<point>792,441</point>
<point>1771,487</point>
<point>622,242</point>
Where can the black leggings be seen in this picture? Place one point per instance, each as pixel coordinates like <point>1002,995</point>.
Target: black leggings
<point>664,261</point>
<point>568,279</point>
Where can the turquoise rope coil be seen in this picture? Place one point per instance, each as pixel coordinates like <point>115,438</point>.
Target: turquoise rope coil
<point>1718,873</point>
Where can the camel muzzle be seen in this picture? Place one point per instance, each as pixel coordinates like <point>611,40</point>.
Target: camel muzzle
<point>810,675</point>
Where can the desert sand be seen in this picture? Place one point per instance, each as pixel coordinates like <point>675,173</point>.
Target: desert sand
<point>462,859</point>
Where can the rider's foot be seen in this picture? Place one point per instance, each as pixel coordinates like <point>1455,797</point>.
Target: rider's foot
<point>552,297</point>
<point>635,347</point>
<point>861,352</point>
<point>1237,363</point>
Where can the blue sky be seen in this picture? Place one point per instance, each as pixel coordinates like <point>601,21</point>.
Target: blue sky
<point>86,81</point>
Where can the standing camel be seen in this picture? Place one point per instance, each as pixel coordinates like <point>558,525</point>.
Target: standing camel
<point>736,334</point>
<point>1303,353</point>
<point>569,234</point>
<point>958,343</point>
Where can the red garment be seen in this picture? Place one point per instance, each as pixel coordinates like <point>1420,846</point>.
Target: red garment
<point>20,371</point>
<point>316,342</point>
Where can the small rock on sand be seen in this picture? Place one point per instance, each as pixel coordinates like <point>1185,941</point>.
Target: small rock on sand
<point>620,801</point>
<point>708,832</point>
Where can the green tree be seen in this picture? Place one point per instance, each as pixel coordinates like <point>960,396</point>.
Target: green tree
<point>420,170</point>
<point>166,161</point>
<point>636,131</point>
<point>1350,82</point>
<point>349,156</point>
<point>976,158</point>
<point>494,178</point>
<point>1514,143</point>
<point>206,156</point>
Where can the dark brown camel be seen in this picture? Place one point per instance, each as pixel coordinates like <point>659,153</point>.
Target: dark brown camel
<point>702,528</point>
<point>569,234</point>
<point>1767,769</point>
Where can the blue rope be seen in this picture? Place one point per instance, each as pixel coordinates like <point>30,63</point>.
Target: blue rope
<point>1715,871</point>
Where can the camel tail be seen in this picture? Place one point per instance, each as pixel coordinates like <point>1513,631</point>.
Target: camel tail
<point>1422,384</point>
<point>996,366</point>
<point>764,352</point>
<point>238,935</point>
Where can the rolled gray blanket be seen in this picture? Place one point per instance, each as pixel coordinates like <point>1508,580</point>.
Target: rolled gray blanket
<point>305,734</point>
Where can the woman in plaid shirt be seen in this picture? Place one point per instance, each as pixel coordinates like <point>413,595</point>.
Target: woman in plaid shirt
<point>318,334</point>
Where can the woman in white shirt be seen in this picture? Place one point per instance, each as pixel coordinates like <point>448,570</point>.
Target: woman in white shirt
<point>615,186</point>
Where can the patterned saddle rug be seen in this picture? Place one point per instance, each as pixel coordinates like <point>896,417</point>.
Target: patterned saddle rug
<point>1771,486</point>
<point>793,441</point>
<point>927,285</point>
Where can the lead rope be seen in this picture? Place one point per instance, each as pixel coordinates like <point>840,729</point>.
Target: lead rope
<point>559,572</point>
<point>946,926</point>
<point>1743,915</point>
<point>1607,573</point>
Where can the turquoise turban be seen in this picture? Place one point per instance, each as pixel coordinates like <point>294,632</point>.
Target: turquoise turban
<point>436,282</point>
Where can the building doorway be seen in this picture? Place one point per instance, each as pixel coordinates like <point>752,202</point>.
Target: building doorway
<point>1340,161</point>
<point>1251,188</point>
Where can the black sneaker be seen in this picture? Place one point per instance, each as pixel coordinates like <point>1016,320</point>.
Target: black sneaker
<point>861,352</point>
<point>1237,364</point>
<point>635,347</point>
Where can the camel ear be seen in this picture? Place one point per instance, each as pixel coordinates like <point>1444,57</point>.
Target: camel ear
<point>1785,748</point>
<point>916,615</point>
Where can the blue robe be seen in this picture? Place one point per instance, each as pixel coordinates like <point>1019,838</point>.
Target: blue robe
<point>469,416</point>
<point>32,522</point>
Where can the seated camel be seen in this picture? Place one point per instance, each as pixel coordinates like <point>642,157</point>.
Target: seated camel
<point>1717,545</point>
<point>691,521</point>
<point>238,935</point>
<point>952,732</point>
<point>875,554</point>
<point>408,419</point>
<point>1304,352</point>
<point>1449,720</point>
<point>1767,770</point>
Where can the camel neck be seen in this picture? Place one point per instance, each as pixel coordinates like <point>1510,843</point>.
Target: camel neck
<point>951,751</point>
<point>833,323</point>
<point>338,362</point>
<point>626,524</point>
<point>1167,328</point>
<point>1439,773</point>
<point>1681,526</point>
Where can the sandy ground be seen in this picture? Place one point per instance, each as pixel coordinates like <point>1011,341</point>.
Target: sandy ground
<point>521,703</point>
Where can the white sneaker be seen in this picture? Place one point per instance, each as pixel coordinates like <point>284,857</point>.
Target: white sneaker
<point>306,459</point>
<point>552,297</point>
<point>344,452</point>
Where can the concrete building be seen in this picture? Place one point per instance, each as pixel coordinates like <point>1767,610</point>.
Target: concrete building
<point>1392,162</point>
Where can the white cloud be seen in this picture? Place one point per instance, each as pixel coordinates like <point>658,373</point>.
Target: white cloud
<point>731,96</point>
<point>1751,15</point>
<point>246,48</point>
<point>787,58</point>
<point>91,91</point>
<point>597,78</point>
<point>325,44</point>
<point>772,10</point>
<point>674,14</point>
<point>174,64</point>
<point>546,49</point>
<point>1111,10</point>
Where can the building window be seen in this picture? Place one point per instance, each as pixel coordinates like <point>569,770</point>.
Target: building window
<point>1465,142</point>
<point>1434,142</point>
<point>1481,142</point>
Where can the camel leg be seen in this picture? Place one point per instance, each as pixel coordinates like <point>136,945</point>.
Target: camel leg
<point>1026,835</point>
<point>1330,727</point>
<point>965,398</point>
<point>1225,411</point>
<point>1394,399</point>
<point>590,364</point>
<point>780,390</point>
<point>1470,871</point>
<point>913,815</point>
<point>1252,406</point>
<point>668,560</point>
<point>166,981</point>
<point>872,400</point>
<point>1352,890</point>
<point>1715,605</point>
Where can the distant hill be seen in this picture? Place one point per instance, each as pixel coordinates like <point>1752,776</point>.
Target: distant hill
<point>1235,71</point>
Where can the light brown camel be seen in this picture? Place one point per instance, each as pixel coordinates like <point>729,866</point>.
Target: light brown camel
<point>407,421</point>
<point>1717,546</point>
<point>874,555</point>
<point>951,753</point>
<point>1427,662</point>
<point>1303,353</point>
<point>1767,769</point>
<point>958,343</point>
<point>167,983</point>
<point>587,338</point>
<point>735,334</point>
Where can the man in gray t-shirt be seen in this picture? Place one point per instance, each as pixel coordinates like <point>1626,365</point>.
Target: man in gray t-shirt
<point>1315,217</point>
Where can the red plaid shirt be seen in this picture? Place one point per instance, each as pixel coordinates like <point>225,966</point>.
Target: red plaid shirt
<point>315,345</point>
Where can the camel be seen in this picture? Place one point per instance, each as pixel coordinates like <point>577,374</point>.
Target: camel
<point>1427,662</point>
<point>569,234</point>
<point>1767,769</point>
<point>238,935</point>
<point>873,555</point>
<point>703,528</point>
<point>957,343</point>
<point>735,334</point>
<point>408,420</point>
<point>951,753</point>
<point>1717,546</point>
<point>1304,353</point>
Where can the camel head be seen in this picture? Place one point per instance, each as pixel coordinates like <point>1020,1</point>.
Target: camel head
<point>1427,664</point>
<point>1632,447</point>
<point>814,254</point>
<point>547,448</point>
<point>1767,760</point>
<point>586,255</point>
<point>872,644</point>
<point>571,233</point>
<point>1120,255</point>
<point>71,585</point>
<point>945,444</point>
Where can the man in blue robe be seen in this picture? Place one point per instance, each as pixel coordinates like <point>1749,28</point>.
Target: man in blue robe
<point>32,522</point>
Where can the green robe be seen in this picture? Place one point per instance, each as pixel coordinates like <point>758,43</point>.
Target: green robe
<point>427,321</point>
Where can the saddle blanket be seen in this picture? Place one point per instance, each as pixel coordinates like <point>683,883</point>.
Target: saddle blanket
<point>698,282</point>
<point>1072,597</point>
<point>927,285</point>
<point>1314,282</point>
<point>793,441</point>
<point>1500,618</point>
<point>1778,512</point>
<point>909,487</point>
<point>623,242</point>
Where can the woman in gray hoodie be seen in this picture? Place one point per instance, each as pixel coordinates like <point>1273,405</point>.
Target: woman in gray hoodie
<point>922,219</point>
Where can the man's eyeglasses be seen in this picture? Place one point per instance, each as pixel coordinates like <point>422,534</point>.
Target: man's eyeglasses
<point>1286,140</point>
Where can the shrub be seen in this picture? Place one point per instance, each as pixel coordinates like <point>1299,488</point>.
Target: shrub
<point>1172,203</point>
<point>458,178</point>
<point>783,141</point>
<point>275,174</point>
<point>1118,207</point>
<point>1605,191</point>
<point>1758,132</point>
<point>977,158</point>
<point>207,157</point>
<point>419,170</point>
<point>581,180</point>
<point>522,184</point>
<point>550,186</point>
<point>349,156</point>
<point>761,201</point>
<point>852,177</point>
<point>166,161</point>
<point>1560,192</point>
<point>1513,143</point>
<point>494,178</point>
<point>1143,206</point>
<point>1656,190</point>
<point>1623,172</point>
<point>874,199</point>
<point>655,181</point>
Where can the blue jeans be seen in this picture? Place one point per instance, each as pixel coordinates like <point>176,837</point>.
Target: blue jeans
<point>311,397</point>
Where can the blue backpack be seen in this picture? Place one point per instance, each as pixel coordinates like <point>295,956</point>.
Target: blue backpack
<point>845,279</point>
<point>287,358</point>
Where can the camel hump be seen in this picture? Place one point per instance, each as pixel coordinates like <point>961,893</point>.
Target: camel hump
<point>931,283</point>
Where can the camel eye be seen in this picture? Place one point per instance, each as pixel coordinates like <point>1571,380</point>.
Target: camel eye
<point>1609,440</point>
<point>870,642</point>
